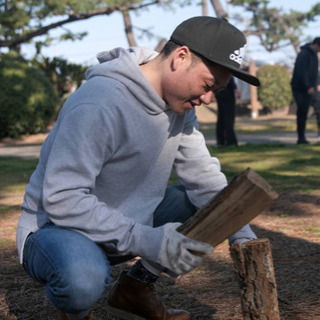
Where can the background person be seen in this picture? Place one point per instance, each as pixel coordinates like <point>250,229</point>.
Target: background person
<point>226,102</point>
<point>303,83</point>
<point>99,194</point>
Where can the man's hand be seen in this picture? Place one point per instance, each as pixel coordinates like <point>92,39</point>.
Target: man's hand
<point>179,253</point>
<point>311,91</point>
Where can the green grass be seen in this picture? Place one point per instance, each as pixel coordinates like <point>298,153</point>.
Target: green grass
<point>313,231</point>
<point>15,173</point>
<point>286,168</point>
<point>6,209</point>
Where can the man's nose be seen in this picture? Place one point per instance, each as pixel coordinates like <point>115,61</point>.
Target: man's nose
<point>206,97</point>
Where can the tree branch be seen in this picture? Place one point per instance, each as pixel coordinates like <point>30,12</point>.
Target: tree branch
<point>71,18</point>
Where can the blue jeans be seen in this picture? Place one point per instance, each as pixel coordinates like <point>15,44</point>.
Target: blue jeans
<point>74,269</point>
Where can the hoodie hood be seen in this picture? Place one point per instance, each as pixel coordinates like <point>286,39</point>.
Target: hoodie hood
<point>139,55</point>
<point>123,65</point>
<point>305,70</point>
<point>305,46</point>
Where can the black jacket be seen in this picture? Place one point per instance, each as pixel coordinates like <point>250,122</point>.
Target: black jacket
<point>305,70</point>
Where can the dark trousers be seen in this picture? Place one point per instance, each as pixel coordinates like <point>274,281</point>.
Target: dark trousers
<point>303,100</point>
<point>225,124</point>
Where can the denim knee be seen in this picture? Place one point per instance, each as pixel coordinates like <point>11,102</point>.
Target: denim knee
<point>80,287</point>
<point>74,269</point>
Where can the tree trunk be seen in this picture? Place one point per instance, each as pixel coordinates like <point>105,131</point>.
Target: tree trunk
<point>204,5</point>
<point>220,12</point>
<point>128,29</point>
<point>253,265</point>
<point>160,45</point>
<point>255,105</point>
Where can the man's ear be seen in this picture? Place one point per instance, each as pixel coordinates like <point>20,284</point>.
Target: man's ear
<point>181,56</point>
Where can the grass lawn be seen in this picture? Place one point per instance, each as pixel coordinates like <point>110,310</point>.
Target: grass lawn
<point>287,168</point>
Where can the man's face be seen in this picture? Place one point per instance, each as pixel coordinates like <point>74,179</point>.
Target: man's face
<point>192,82</point>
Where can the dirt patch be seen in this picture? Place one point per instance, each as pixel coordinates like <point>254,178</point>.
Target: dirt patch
<point>292,224</point>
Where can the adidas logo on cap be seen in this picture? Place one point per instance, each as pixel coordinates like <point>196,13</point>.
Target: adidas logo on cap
<point>237,56</point>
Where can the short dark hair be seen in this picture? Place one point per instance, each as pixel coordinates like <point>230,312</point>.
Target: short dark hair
<point>316,41</point>
<point>170,46</point>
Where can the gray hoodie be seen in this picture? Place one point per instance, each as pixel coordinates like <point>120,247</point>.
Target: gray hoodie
<point>105,165</point>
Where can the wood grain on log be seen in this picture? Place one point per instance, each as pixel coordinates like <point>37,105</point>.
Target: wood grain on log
<point>244,198</point>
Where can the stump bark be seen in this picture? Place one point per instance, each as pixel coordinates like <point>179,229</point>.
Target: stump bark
<point>253,265</point>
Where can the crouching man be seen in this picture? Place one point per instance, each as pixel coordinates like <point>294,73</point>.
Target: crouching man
<point>100,194</point>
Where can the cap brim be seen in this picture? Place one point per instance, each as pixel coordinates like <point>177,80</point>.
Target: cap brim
<point>242,75</point>
<point>246,76</point>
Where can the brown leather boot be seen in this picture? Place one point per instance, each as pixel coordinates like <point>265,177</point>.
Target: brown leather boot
<point>63,316</point>
<point>131,299</point>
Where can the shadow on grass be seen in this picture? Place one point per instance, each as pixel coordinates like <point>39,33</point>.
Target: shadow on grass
<point>286,168</point>
<point>295,203</point>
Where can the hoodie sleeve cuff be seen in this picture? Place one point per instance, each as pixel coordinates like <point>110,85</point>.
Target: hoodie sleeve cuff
<point>243,235</point>
<point>147,241</point>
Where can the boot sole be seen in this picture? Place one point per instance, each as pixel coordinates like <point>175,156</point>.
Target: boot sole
<point>124,315</point>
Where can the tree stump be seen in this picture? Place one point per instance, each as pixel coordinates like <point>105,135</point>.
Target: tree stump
<point>253,265</point>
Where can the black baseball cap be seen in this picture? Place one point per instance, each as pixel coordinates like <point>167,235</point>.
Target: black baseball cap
<point>217,41</point>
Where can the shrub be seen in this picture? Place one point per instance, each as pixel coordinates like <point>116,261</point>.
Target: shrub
<point>275,90</point>
<point>27,100</point>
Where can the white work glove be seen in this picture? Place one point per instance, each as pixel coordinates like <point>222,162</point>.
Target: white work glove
<point>178,253</point>
<point>245,234</point>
